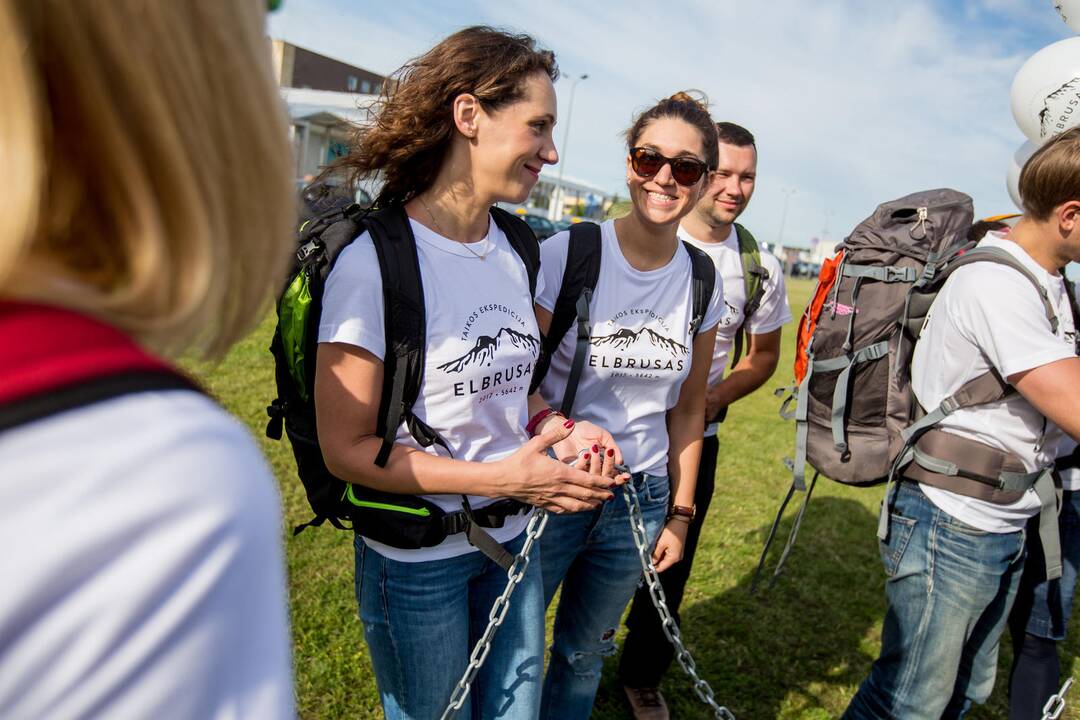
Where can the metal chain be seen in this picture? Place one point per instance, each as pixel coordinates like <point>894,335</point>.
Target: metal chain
<point>656,592</point>
<point>1056,704</point>
<point>533,531</point>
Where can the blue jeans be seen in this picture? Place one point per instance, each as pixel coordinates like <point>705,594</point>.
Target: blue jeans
<point>422,619</point>
<point>594,557</point>
<point>949,589</point>
<point>1048,604</point>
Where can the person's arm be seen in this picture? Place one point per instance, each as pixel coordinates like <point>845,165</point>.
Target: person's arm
<point>684,449</point>
<point>750,373</point>
<point>1054,390</point>
<point>348,385</point>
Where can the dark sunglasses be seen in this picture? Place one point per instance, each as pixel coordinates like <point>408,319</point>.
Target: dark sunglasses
<point>646,162</point>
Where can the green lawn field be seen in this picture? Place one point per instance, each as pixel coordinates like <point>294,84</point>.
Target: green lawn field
<point>797,651</point>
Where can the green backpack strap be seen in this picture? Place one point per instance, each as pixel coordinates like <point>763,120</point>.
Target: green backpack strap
<point>754,277</point>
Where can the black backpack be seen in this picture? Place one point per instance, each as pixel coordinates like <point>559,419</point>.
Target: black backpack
<point>398,520</point>
<point>572,304</point>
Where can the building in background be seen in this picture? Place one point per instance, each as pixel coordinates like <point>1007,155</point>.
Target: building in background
<point>296,67</point>
<point>320,124</point>
<point>328,99</point>
<point>556,198</point>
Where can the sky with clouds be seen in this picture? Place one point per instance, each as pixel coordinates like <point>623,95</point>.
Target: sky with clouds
<point>852,102</point>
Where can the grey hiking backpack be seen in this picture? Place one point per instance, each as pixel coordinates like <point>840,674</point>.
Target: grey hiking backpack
<point>856,417</point>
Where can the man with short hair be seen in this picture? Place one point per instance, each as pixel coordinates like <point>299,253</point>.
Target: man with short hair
<point>954,561</point>
<point>757,308</point>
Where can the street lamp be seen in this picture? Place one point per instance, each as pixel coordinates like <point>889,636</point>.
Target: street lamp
<point>565,140</point>
<point>788,192</point>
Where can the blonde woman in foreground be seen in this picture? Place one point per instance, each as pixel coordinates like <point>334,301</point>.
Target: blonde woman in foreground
<point>145,208</point>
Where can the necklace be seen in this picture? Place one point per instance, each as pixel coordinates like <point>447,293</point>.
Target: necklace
<point>487,247</point>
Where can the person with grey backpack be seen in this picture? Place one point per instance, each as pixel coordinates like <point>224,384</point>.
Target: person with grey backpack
<point>970,430</point>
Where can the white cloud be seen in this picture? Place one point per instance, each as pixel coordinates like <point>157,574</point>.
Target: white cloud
<point>853,103</point>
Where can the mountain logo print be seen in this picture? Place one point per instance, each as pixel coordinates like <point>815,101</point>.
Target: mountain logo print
<point>624,338</point>
<point>1057,107</point>
<point>486,346</point>
<point>729,316</point>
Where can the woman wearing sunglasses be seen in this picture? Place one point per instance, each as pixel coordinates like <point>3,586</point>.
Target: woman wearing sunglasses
<point>645,374</point>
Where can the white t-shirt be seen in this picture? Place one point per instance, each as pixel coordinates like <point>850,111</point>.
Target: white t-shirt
<point>142,565</point>
<point>1070,477</point>
<point>772,313</point>
<point>988,315</point>
<point>482,343</point>
<point>640,345</point>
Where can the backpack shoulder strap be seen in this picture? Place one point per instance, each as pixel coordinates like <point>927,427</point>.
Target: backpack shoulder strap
<point>522,239</point>
<point>983,253</point>
<point>1070,290</point>
<point>580,276</point>
<point>61,360</point>
<point>754,277</point>
<point>704,282</point>
<point>990,386</point>
<point>579,280</point>
<point>754,273</point>
<point>405,327</point>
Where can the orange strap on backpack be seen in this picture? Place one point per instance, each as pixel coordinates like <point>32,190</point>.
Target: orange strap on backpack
<point>826,279</point>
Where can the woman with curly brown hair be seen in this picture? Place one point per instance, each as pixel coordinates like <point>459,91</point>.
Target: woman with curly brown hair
<point>649,355</point>
<point>464,126</point>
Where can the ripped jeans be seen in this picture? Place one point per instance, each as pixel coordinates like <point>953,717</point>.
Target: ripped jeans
<point>594,557</point>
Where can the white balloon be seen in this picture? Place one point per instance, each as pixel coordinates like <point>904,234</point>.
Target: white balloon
<point>1069,10</point>
<point>1046,91</point>
<point>1016,164</point>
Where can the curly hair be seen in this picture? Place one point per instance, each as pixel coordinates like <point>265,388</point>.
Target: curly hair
<point>685,107</point>
<point>413,123</point>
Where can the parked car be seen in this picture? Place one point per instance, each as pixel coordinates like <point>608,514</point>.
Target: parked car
<point>567,223</point>
<point>805,269</point>
<point>541,226</point>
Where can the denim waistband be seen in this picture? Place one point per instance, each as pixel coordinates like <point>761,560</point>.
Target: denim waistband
<point>641,479</point>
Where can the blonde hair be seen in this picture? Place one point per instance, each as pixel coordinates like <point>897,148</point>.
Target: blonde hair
<point>146,165</point>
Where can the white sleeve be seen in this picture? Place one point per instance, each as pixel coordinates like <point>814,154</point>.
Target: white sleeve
<point>774,311</point>
<point>552,265</point>
<point>716,308</point>
<point>352,311</point>
<point>998,310</point>
<point>164,595</point>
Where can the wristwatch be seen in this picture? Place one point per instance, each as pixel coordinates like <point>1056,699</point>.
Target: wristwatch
<point>682,511</point>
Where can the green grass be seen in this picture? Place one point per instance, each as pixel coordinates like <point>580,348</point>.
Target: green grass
<point>797,651</point>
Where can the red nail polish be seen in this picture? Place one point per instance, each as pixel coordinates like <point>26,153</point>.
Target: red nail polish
<point>568,424</point>
<point>585,456</point>
<point>610,453</point>
<point>595,448</point>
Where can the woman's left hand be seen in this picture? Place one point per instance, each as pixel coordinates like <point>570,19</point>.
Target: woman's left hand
<point>584,438</point>
<point>669,546</point>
